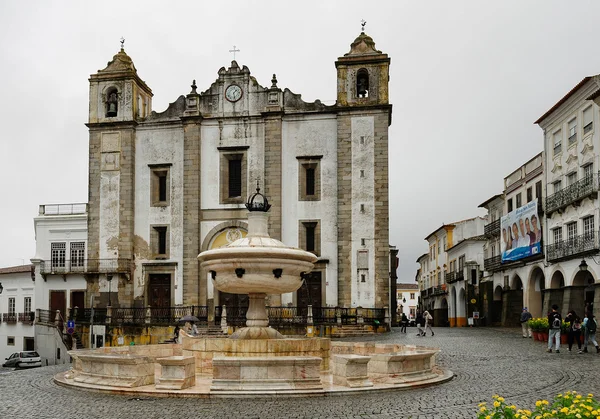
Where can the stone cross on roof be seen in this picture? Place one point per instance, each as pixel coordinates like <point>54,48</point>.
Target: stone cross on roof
<point>234,50</point>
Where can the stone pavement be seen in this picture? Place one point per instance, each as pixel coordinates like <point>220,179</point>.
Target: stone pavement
<point>486,362</point>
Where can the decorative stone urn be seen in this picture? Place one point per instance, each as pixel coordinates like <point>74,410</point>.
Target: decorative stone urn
<point>257,265</point>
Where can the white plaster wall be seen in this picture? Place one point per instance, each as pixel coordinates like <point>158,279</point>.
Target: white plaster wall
<point>159,146</point>
<point>238,132</point>
<point>363,223</point>
<point>17,286</point>
<point>311,136</point>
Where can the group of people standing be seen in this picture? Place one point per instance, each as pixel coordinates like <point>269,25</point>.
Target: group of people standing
<point>577,328</point>
<point>423,322</point>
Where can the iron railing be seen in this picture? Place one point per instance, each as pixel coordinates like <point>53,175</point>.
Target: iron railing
<point>27,318</point>
<point>67,266</point>
<point>9,317</point>
<point>493,264</point>
<point>460,275</point>
<point>372,315</point>
<point>575,192</point>
<point>440,290</point>
<point>324,315</point>
<point>282,316</point>
<point>99,315</point>
<point>450,277</point>
<point>574,246</point>
<point>348,315</point>
<point>492,229</point>
<point>236,316</point>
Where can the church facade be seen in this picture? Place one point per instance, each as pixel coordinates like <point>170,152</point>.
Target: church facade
<point>164,187</point>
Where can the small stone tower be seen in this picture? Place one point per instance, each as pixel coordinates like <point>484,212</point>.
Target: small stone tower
<point>364,115</point>
<point>118,100</point>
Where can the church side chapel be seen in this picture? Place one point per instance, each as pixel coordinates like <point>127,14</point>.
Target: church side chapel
<point>165,186</point>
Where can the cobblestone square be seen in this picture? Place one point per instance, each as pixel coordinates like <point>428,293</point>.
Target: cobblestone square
<point>485,361</point>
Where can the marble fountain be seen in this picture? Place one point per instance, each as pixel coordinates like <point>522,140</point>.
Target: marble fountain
<point>255,360</point>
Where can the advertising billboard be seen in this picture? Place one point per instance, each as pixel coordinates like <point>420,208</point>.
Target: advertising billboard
<point>521,233</point>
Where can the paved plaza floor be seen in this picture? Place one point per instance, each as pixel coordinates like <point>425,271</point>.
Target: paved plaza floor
<point>485,361</point>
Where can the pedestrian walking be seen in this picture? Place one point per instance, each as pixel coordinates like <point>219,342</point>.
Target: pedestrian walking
<point>554,325</point>
<point>403,323</point>
<point>574,330</point>
<point>590,325</point>
<point>525,317</point>
<point>420,322</point>
<point>428,321</point>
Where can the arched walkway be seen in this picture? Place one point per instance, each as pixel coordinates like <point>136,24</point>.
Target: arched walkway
<point>580,293</point>
<point>513,303</point>
<point>535,291</point>
<point>554,294</point>
<point>462,304</point>
<point>496,309</point>
<point>452,315</point>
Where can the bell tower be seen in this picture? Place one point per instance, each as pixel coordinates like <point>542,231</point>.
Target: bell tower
<point>363,119</point>
<point>363,74</point>
<point>119,99</point>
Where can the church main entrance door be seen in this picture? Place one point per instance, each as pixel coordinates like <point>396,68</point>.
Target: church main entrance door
<point>159,294</point>
<point>310,291</point>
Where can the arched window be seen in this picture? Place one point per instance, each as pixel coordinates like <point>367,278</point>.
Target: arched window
<point>362,83</point>
<point>112,102</point>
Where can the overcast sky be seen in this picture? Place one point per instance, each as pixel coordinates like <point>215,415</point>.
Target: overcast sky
<point>467,81</point>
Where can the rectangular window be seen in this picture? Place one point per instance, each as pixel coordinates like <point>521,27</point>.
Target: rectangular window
<point>438,248</point>
<point>557,138</point>
<point>10,341</point>
<point>509,205</point>
<point>538,190</point>
<point>11,306</point>
<point>571,231</point>
<point>588,172</point>
<point>159,184</point>
<point>557,186</point>
<point>310,181</point>
<point>235,179</point>
<point>461,263</point>
<point>588,120</point>
<point>310,236</point>
<point>573,131</point>
<point>557,234</point>
<point>412,295</point>
<point>309,178</point>
<point>233,175</point>
<point>77,254</point>
<point>160,242</point>
<point>58,254</point>
<point>445,244</point>
<point>518,199</point>
<point>571,178</point>
<point>588,226</point>
<point>27,305</point>
<point>529,194</point>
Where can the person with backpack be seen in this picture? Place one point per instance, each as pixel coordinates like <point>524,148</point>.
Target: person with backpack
<point>554,325</point>
<point>574,330</point>
<point>420,321</point>
<point>590,325</point>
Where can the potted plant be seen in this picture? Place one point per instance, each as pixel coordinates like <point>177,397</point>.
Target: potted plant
<point>535,326</point>
<point>564,333</point>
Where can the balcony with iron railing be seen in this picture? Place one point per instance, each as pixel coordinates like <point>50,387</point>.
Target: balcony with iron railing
<point>574,193</point>
<point>440,290</point>
<point>492,229</point>
<point>450,277</point>
<point>65,266</point>
<point>493,263</point>
<point>27,317</point>
<point>9,318</point>
<point>573,247</point>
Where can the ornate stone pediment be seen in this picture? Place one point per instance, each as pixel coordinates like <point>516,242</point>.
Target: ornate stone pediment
<point>571,159</point>
<point>557,167</point>
<point>587,148</point>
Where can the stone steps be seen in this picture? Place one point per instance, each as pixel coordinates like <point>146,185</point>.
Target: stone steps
<point>351,331</point>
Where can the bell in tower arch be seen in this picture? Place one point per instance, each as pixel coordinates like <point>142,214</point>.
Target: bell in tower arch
<point>362,83</point>
<point>112,103</point>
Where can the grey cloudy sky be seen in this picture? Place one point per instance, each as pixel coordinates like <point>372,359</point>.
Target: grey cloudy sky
<point>467,80</point>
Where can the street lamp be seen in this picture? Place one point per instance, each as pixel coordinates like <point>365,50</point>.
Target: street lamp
<point>109,279</point>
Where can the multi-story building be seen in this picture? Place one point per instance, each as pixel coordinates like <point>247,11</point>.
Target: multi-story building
<point>436,263</point>
<point>514,280</point>
<point>165,186</point>
<point>407,297</point>
<point>572,144</point>
<point>16,310</point>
